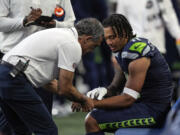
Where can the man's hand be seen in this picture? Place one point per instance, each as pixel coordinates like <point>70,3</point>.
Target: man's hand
<point>76,107</point>
<point>84,107</point>
<point>35,18</point>
<point>32,17</point>
<point>88,105</point>
<point>97,93</point>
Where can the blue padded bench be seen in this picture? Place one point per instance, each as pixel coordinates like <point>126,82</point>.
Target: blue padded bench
<point>138,131</point>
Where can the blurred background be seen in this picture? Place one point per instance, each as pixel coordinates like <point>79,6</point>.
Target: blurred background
<point>96,69</point>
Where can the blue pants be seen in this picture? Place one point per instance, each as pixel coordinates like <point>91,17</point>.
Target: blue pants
<point>22,105</point>
<point>139,115</point>
<point>47,98</point>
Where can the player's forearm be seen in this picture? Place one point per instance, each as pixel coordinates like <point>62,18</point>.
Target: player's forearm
<point>114,102</point>
<point>73,94</point>
<point>10,24</point>
<point>115,87</point>
<point>111,91</point>
<point>118,81</point>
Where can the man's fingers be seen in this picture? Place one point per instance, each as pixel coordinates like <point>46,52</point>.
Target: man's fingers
<point>85,109</point>
<point>76,107</point>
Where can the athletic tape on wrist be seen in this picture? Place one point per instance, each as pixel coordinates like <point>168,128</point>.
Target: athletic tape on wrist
<point>131,92</point>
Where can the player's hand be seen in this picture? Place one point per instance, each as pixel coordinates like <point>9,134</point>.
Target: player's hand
<point>32,17</point>
<point>88,105</point>
<point>97,93</point>
<point>178,45</point>
<point>76,107</point>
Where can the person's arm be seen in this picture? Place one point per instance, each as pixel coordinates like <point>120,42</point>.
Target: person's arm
<point>66,88</point>
<point>69,15</point>
<point>114,88</point>
<point>137,74</point>
<point>52,86</point>
<point>118,81</point>
<point>8,24</point>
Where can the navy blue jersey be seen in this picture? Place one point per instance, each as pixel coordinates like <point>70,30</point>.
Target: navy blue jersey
<point>157,87</point>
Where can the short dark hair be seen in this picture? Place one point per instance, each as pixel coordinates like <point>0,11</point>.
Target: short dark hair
<point>91,27</point>
<point>119,23</point>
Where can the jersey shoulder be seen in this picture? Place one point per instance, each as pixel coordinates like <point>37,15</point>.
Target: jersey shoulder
<point>137,47</point>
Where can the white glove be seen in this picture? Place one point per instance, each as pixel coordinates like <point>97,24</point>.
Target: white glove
<point>97,93</point>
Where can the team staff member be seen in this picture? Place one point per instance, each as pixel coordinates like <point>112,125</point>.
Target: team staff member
<point>58,58</point>
<point>151,19</point>
<point>146,95</point>
<point>14,14</point>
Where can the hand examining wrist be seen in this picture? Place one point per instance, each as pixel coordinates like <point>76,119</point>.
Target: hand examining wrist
<point>87,105</point>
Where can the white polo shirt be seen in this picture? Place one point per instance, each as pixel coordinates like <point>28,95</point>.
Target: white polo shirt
<point>12,13</point>
<point>47,50</point>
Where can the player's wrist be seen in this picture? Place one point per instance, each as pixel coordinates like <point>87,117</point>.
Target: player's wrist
<point>83,100</point>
